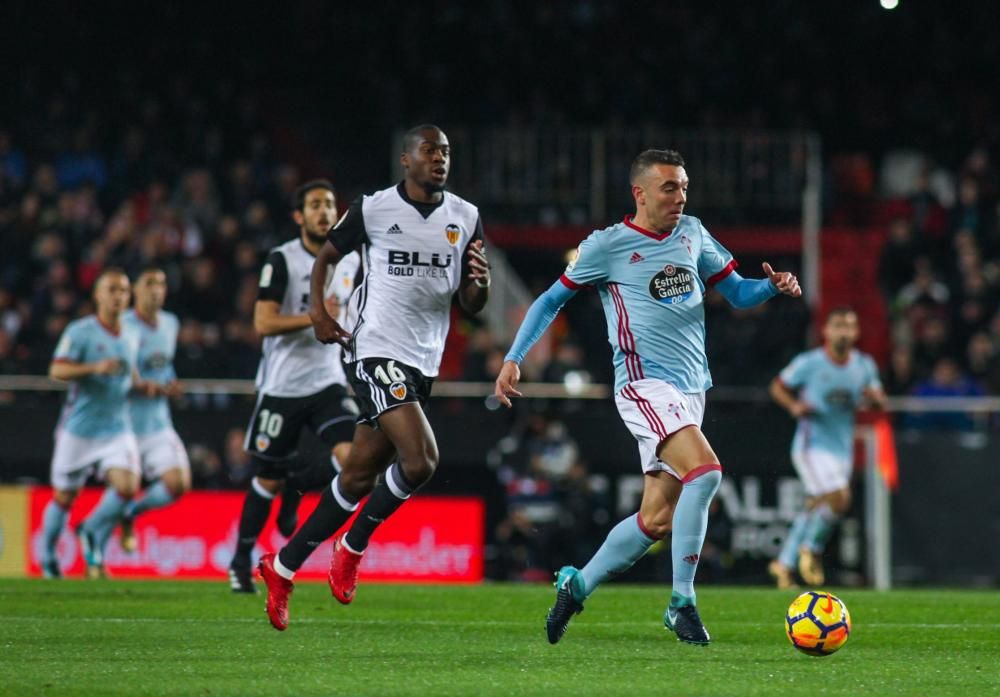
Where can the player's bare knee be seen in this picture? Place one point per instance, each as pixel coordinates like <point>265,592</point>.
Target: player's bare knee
<point>657,525</point>
<point>355,482</point>
<point>271,486</point>
<point>178,488</point>
<point>840,501</point>
<point>65,498</point>
<point>417,472</point>
<point>126,490</point>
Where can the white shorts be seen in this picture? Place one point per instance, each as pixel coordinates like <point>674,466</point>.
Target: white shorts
<point>75,458</point>
<point>820,471</point>
<point>160,452</point>
<point>653,410</point>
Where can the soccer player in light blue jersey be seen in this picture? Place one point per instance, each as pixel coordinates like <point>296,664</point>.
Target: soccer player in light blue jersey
<point>98,355</point>
<point>823,389</point>
<point>652,271</point>
<point>162,455</point>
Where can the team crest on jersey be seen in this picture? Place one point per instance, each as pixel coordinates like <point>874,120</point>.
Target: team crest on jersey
<point>672,285</point>
<point>262,442</point>
<point>453,232</point>
<point>397,390</point>
<point>574,256</point>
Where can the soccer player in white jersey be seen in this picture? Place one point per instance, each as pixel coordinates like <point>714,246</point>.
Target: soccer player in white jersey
<point>162,455</point>
<point>652,272</point>
<point>300,381</point>
<point>420,246</point>
<point>823,389</point>
<point>98,356</point>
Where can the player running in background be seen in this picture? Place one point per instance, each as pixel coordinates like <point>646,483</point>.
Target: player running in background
<point>162,456</point>
<point>652,271</point>
<point>300,381</point>
<point>98,356</point>
<point>421,245</point>
<point>823,389</point>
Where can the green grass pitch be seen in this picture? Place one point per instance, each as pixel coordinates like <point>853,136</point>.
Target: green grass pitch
<point>174,638</point>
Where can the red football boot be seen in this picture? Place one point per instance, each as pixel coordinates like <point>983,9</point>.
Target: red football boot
<point>343,575</point>
<point>278,590</point>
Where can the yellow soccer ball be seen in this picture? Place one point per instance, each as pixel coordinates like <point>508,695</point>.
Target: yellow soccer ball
<point>818,623</point>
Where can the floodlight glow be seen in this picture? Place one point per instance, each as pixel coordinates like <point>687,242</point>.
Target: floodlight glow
<point>889,4</point>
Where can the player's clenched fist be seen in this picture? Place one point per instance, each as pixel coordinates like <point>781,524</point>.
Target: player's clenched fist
<point>506,386</point>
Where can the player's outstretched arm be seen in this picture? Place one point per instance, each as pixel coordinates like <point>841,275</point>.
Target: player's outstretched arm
<point>71,370</point>
<point>536,321</point>
<point>327,329</point>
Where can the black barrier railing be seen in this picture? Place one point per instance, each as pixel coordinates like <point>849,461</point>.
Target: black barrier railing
<point>487,451</point>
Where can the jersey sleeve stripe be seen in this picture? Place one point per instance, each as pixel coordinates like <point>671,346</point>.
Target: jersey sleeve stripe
<point>570,283</point>
<point>726,270</point>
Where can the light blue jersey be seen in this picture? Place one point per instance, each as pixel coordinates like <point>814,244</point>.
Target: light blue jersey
<point>834,391</point>
<point>96,405</point>
<point>652,287</point>
<point>157,345</point>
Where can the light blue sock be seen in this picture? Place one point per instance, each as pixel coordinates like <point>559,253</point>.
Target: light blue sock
<point>624,546</point>
<point>822,520</point>
<point>690,523</point>
<point>53,522</point>
<point>102,520</point>
<point>789,556</point>
<point>156,496</point>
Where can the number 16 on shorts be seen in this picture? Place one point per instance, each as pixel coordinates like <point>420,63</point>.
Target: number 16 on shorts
<point>391,375</point>
<point>383,383</point>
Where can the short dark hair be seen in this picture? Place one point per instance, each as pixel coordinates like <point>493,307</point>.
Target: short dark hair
<point>840,311</point>
<point>300,194</point>
<point>110,271</point>
<point>648,158</point>
<point>412,137</point>
<point>150,268</point>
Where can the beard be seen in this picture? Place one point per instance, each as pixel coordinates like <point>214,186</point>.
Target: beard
<point>432,187</point>
<point>316,237</point>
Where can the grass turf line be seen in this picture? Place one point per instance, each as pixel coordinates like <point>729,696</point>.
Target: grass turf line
<point>176,638</point>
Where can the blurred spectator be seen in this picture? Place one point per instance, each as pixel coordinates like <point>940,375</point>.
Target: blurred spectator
<point>925,288</point>
<point>476,364</point>
<point>901,375</point>
<point>899,256</point>
<point>585,514</point>
<point>946,380</point>
<point>238,467</point>
<point>206,467</point>
<point>933,343</point>
<point>982,362</point>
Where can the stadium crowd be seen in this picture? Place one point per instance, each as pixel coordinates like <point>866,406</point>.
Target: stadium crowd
<point>101,165</point>
<point>940,276</point>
